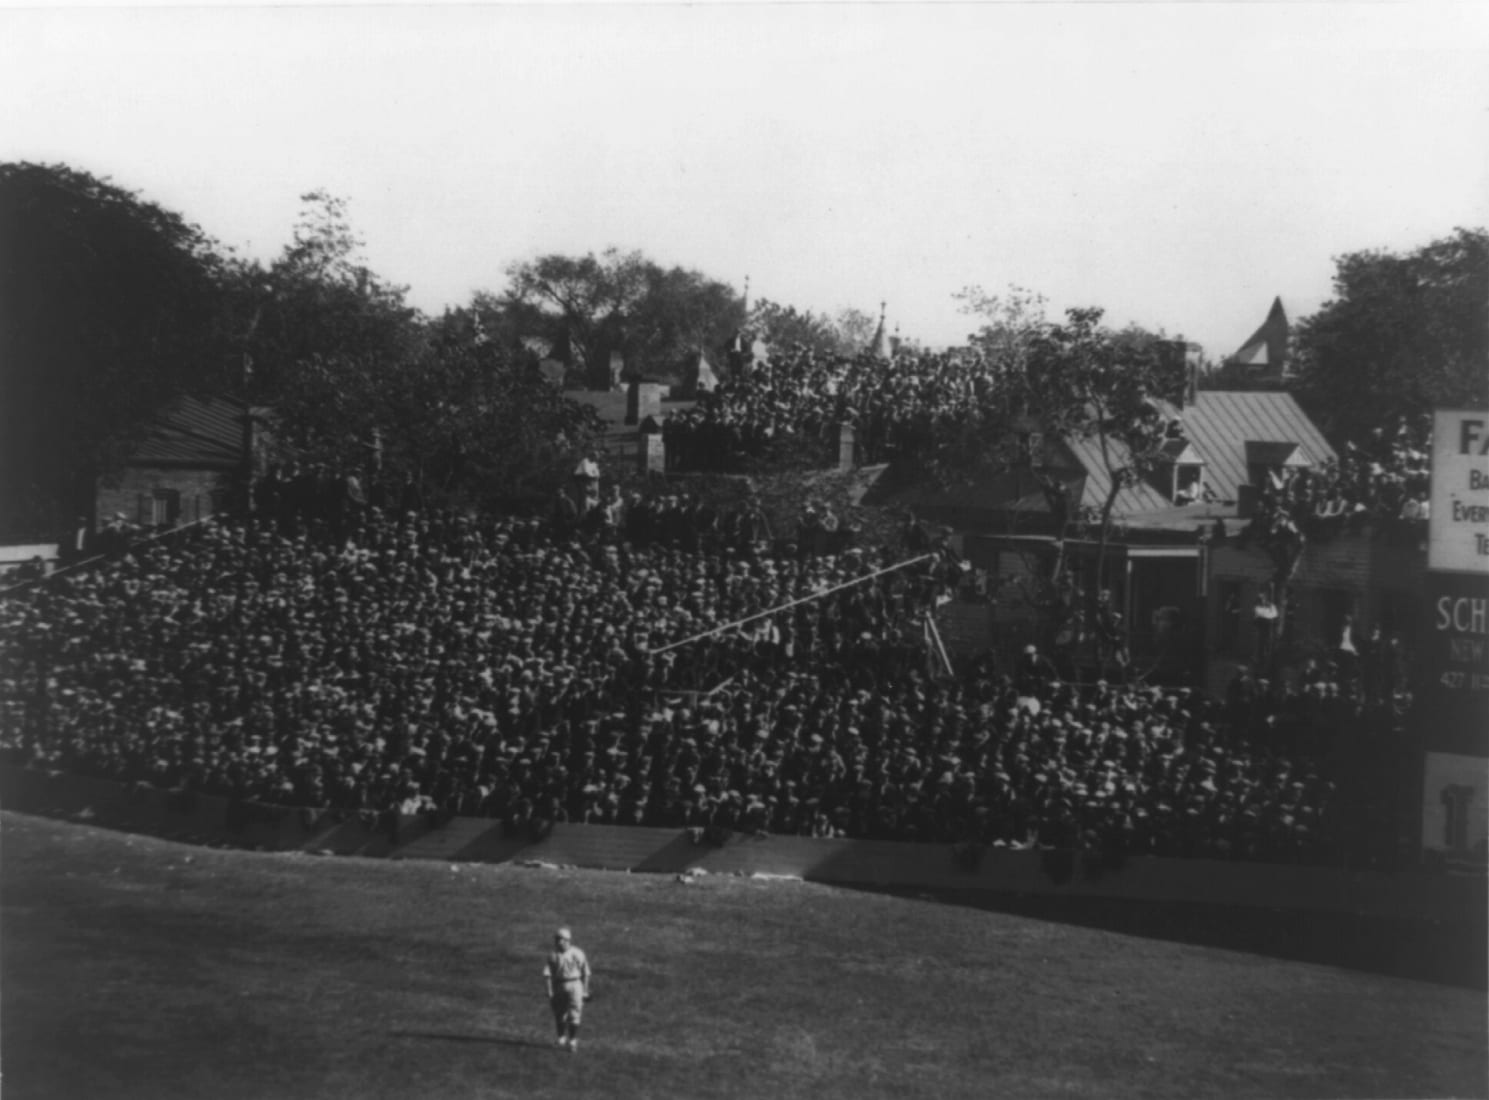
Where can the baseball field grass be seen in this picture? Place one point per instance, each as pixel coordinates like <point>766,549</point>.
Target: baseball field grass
<point>136,967</point>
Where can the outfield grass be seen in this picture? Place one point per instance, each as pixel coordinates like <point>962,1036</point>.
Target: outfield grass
<point>134,967</point>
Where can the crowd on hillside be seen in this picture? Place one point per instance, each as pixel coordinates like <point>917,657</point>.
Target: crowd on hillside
<point>897,406</point>
<point>431,662</point>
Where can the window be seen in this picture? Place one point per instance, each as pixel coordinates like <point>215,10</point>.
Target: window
<point>1263,460</point>
<point>1187,482</point>
<point>165,508</point>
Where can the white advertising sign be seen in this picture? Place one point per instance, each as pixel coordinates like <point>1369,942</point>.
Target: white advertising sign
<point>1458,523</point>
<point>1455,803</point>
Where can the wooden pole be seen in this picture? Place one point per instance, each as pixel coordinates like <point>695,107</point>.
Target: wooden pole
<point>790,604</point>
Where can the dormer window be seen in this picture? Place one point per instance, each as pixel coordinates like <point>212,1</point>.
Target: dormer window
<point>1189,482</point>
<point>1182,474</point>
<point>1272,459</point>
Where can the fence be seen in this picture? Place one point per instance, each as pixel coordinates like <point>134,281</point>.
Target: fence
<point>83,563</point>
<point>209,819</point>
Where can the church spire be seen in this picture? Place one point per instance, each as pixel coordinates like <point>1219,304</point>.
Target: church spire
<point>879,346</point>
<point>741,341</point>
<point>1263,356</point>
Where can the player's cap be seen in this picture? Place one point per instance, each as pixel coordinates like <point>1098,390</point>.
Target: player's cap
<point>563,934</point>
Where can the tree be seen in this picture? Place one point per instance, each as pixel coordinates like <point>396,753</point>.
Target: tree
<point>110,306</point>
<point>1403,332</point>
<point>787,328</point>
<point>462,417</point>
<point>362,382</point>
<point>318,300</point>
<point>784,328</point>
<point>1075,380</point>
<point>1008,319</point>
<point>683,312</point>
<point>992,437</point>
<point>855,330</point>
<point>1087,382</point>
<point>623,301</point>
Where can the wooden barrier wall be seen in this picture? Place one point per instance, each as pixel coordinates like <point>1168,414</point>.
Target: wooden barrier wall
<point>207,819</point>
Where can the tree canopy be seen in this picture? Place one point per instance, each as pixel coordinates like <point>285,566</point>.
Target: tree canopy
<point>623,301</point>
<point>318,299</point>
<point>1074,378</point>
<point>787,328</point>
<point>463,418</point>
<point>361,381</point>
<point>112,306</point>
<point>1403,332</point>
<point>1085,381</point>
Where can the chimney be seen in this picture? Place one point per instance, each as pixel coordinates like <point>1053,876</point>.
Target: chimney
<point>651,451</point>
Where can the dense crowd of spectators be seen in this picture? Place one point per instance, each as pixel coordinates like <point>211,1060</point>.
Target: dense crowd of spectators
<point>1384,480</point>
<point>432,662</point>
<point>896,407</point>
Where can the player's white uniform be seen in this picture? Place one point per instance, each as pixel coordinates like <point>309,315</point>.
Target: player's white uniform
<point>568,970</point>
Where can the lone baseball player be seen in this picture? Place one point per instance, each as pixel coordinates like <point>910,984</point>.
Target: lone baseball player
<point>567,977</point>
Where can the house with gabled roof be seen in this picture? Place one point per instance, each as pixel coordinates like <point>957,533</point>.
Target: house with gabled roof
<point>196,453</point>
<point>1222,445</point>
<point>1174,563</point>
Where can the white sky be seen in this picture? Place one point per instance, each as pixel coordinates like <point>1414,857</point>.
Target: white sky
<point>1178,164</point>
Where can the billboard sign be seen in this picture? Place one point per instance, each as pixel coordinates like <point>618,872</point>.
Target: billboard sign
<point>1455,814</point>
<point>1453,704</point>
<point>1458,522</point>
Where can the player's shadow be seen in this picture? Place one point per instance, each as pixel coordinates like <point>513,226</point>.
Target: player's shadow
<point>452,1037</point>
